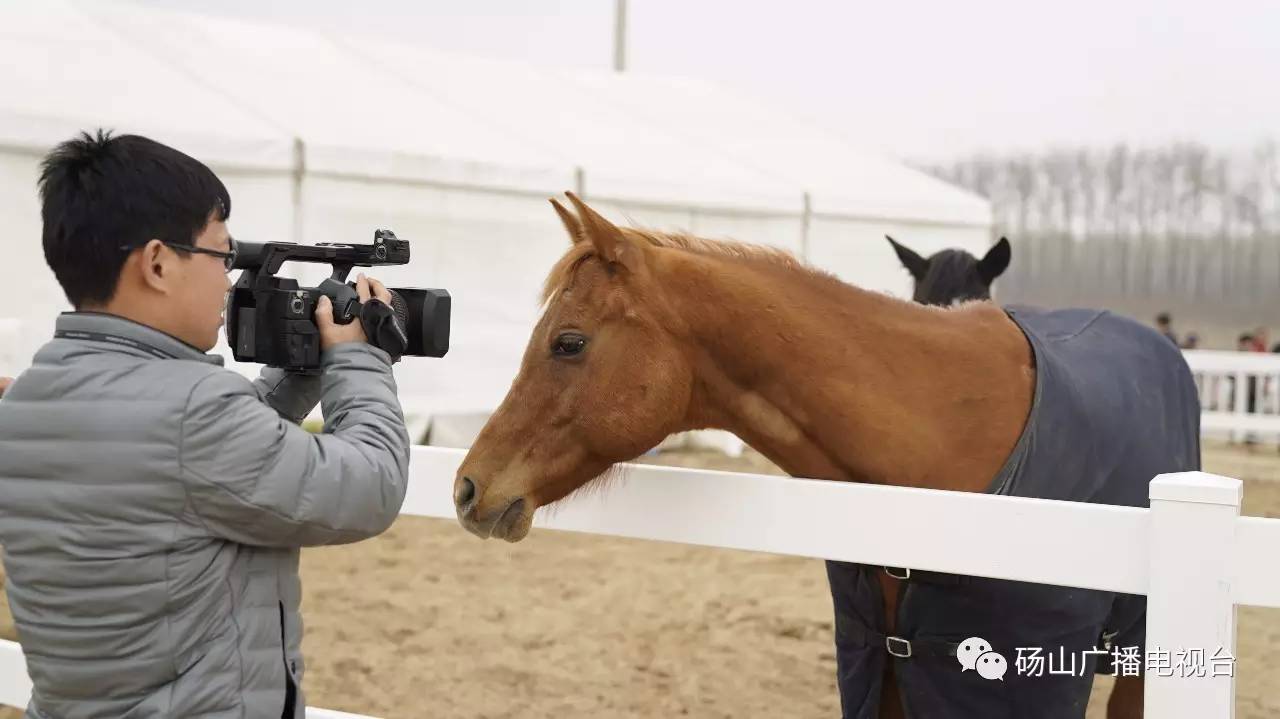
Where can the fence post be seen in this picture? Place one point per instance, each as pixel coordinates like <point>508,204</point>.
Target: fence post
<point>1191,613</point>
<point>1240,403</point>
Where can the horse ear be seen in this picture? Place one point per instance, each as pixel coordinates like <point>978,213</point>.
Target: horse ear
<point>571,223</point>
<point>994,263</point>
<point>915,264</point>
<point>611,245</point>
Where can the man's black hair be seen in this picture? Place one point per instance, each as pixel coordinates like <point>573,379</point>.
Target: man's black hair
<point>100,194</point>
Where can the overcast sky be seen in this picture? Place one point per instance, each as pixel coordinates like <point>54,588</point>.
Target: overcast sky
<point>920,80</point>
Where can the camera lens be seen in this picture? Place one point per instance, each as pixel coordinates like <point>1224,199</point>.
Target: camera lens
<point>424,314</point>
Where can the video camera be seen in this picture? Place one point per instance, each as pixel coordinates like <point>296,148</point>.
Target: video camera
<point>271,320</point>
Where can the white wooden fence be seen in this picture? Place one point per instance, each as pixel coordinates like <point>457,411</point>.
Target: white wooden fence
<point>1190,553</point>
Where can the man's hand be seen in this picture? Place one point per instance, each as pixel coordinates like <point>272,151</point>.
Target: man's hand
<point>4,384</point>
<point>332,333</point>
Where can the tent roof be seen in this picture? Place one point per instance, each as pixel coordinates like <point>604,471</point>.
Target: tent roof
<point>237,92</point>
<point>840,179</point>
<point>61,72</point>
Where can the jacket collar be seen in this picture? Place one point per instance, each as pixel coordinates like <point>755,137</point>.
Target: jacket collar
<point>124,335</point>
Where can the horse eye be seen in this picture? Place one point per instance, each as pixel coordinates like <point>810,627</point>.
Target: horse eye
<point>569,344</point>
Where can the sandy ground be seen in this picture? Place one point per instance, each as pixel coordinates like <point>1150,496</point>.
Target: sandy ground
<point>427,621</point>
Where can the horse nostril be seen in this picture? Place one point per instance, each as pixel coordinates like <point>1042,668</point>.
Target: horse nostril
<point>466,492</point>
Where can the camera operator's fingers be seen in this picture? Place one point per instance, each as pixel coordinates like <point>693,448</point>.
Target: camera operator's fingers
<point>332,333</point>
<point>362,287</point>
<point>324,314</point>
<point>380,291</point>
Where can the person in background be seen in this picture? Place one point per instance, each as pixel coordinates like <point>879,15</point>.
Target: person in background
<point>1246,342</point>
<point>1271,385</point>
<point>4,384</point>
<point>1260,339</point>
<point>1165,324</point>
<point>1191,342</point>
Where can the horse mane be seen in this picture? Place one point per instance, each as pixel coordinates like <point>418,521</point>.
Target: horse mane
<point>563,271</point>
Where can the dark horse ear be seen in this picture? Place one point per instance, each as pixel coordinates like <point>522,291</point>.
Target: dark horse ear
<point>915,264</point>
<point>995,261</point>
<point>571,223</point>
<point>611,244</point>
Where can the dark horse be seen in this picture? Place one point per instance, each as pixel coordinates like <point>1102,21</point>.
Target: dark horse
<point>952,276</point>
<point>943,279</point>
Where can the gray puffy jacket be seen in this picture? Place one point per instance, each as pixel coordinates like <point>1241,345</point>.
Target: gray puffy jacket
<point>152,504</point>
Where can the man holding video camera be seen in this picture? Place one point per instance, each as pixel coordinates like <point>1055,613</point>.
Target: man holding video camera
<point>152,502</point>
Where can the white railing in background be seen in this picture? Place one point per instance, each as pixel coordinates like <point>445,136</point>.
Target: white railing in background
<point>1227,382</point>
<point>1191,553</point>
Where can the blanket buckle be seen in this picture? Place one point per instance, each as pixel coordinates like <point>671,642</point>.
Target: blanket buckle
<point>896,645</point>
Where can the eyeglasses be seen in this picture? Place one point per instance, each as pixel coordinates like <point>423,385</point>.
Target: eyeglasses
<point>228,258</point>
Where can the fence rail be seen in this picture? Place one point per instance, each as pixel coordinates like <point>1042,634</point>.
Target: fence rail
<point>1191,552</point>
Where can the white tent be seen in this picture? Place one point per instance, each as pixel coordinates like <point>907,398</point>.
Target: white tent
<point>324,138</point>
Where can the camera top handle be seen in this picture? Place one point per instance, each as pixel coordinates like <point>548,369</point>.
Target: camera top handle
<point>268,257</point>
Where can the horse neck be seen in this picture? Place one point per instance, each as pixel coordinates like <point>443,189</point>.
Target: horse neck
<point>832,382</point>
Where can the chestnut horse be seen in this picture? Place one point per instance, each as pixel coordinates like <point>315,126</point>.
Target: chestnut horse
<point>645,334</point>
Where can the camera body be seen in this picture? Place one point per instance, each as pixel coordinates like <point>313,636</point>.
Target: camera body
<point>271,320</point>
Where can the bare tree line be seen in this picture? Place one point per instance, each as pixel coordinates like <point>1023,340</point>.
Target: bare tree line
<point>1160,226</point>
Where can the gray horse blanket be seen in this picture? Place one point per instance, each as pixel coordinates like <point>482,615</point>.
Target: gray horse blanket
<point>1114,406</point>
